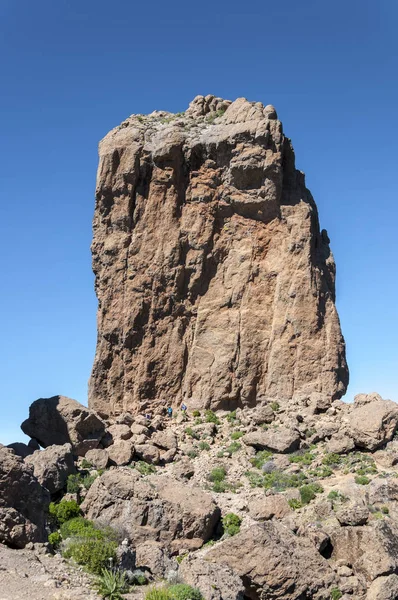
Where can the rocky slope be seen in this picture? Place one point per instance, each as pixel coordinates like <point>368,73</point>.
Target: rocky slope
<point>215,284</point>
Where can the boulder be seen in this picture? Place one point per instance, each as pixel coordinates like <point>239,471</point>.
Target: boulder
<point>21,449</point>
<point>155,507</point>
<point>167,440</point>
<point>23,502</point>
<point>263,509</point>
<point>60,420</point>
<point>340,444</point>
<point>384,588</point>
<point>372,421</point>
<point>152,556</point>
<point>148,453</point>
<point>352,513</point>
<point>98,457</point>
<point>215,581</point>
<point>273,563</point>
<point>119,432</point>
<point>121,452</point>
<point>281,440</point>
<point>52,466</point>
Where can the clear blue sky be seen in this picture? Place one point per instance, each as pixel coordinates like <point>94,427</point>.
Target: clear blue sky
<point>72,69</point>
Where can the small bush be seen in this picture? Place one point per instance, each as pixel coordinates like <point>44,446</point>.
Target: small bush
<point>144,468</point>
<point>331,460</point>
<point>217,474</point>
<point>362,480</point>
<point>64,511</point>
<point>385,510</point>
<point>219,487</point>
<point>192,454</point>
<point>111,584</point>
<point>204,446</point>
<point>231,523</point>
<point>93,553</point>
<point>73,484</point>
<point>236,435</point>
<point>275,406</point>
<point>86,465</point>
<point>334,495</point>
<point>211,417</point>
<point>302,459</point>
<point>79,527</point>
<point>88,480</point>
<point>55,539</point>
<point>309,491</point>
<point>335,594</point>
<point>260,458</point>
<point>294,503</point>
<point>196,413</point>
<point>234,447</point>
<point>182,591</point>
<point>158,594</point>
<point>193,434</point>
<point>280,481</point>
<point>231,417</point>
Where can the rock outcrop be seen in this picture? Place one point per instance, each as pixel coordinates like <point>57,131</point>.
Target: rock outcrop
<point>214,281</point>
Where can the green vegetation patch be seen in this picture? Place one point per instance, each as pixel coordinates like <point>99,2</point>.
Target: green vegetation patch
<point>231,523</point>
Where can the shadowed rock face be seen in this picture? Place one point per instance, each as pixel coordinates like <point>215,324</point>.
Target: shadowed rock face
<point>215,284</point>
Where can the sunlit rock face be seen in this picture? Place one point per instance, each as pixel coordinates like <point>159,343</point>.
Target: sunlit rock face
<point>215,285</point>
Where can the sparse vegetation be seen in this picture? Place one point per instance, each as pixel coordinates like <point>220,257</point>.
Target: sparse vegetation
<point>294,503</point>
<point>63,511</point>
<point>211,417</point>
<point>231,417</point>
<point>196,413</point>
<point>204,446</point>
<point>89,546</point>
<point>192,433</point>
<point>158,594</point>
<point>236,435</point>
<point>213,116</point>
<point>309,491</point>
<point>260,458</point>
<point>182,591</point>
<point>275,406</point>
<point>144,468</point>
<point>111,584</point>
<point>331,460</point>
<point>362,480</point>
<point>335,594</point>
<point>234,447</point>
<point>231,523</point>
<point>305,458</point>
<point>55,539</point>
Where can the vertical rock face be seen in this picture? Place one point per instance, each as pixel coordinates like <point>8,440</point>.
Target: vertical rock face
<point>215,284</point>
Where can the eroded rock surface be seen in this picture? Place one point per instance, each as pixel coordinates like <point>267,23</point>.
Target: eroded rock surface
<point>215,283</point>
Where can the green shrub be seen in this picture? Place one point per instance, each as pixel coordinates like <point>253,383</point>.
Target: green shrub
<point>55,539</point>
<point>64,510</point>
<point>158,594</point>
<point>335,495</point>
<point>219,487</point>
<point>260,458</point>
<point>362,480</point>
<point>80,527</point>
<point>88,480</point>
<point>275,406</point>
<point>93,553</point>
<point>217,474</point>
<point>236,435</point>
<point>144,468</point>
<point>86,465</point>
<point>204,446</point>
<point>294,503</point>
<point>192,454</point>
<point>211,417</point>
<point>213,116</point>
<point>255,479</point>
<point>111,584</point>
<point>231,523</point>
<point>73,484</point>
<point>302,459</point>
<point>385,510</point>
<point>193,434</point>
<point>234,447</point>
<point>331,460</point>
<point>309,491</point>
<point>196,413</point>
<point>335,594</point>
<point>231,417</point>
<point>280,481</point>
<point>182,591</point>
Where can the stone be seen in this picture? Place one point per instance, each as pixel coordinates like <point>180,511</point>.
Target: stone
<point>148,453</point>
<point>120,432</point>
<point>216,582</point>
<point>152,556</point>
<point>98,457</point>
<point>279,440</point>
<point>273,563</point>
<point>340,444</point>
<point>138,429</point>
<point>352,513</point>
<point>263,509</point>
<point>52,466</point>
<point>151,508</point>
<point>23,502</point>
<point>60,420</point>
<point>373,421</point>
<point>121,452</point>
<point>21,449</point>
<point>384,588</point>
<point>166,440</point>
<point>228,284</point>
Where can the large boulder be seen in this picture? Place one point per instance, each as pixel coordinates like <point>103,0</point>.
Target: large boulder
<point>278,440</point>
<point>23,502</point>
<point>52,466</point>
<point>373,421</point>
<point>274,563</point>
<point>215,581</point>
<point>152,508</point>
<point>384,588</point>
<point>60,420</point>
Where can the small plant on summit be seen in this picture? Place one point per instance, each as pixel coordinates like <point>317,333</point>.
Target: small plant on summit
<point>231,523</point>
<point>111,584</point>
<point>182,591</point>
<point>335,594</point>
<point>144,468</point>
<point>63,511</point>
<point>362,480</point>
<point>211,417</point>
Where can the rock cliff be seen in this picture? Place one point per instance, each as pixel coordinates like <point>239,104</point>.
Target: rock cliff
<point>215,284</point>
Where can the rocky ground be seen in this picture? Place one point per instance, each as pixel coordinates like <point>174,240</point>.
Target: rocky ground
<point>313,494</point>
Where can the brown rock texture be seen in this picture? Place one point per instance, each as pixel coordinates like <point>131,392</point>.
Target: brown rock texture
<point>215,284</point>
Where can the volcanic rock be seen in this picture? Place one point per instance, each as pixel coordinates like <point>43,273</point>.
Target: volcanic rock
<point>52,466</point>
<point>215,283</point>
<point>373,421</point>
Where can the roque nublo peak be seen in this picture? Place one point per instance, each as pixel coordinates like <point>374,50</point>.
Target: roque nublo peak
<point>216,286</point>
